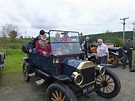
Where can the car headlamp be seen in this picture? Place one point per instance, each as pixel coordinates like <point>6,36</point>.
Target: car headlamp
<point>78,78</point>
<point>101,69</point>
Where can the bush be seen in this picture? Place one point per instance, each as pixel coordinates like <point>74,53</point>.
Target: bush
<point>118,42</point>
<point>14,45</point>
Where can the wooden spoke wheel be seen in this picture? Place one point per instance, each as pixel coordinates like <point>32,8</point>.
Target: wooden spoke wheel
<point>59,92</point>
<point>58,96</point>
<point>110,84</point>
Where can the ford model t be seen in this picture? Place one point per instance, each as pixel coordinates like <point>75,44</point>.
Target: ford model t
<point>67,72</point>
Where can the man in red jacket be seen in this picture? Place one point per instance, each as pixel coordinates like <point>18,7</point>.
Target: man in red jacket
<point>43,47</point>
<point>65,37</point>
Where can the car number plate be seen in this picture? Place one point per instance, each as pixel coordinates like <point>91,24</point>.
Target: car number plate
<point>87,89</point>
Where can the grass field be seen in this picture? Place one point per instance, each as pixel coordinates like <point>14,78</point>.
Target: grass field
<point>13,61</point>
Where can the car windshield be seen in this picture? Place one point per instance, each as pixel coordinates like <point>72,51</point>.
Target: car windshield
<point>64,42</point>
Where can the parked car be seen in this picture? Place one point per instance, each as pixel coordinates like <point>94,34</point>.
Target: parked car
<point>68,74</point>
<point>115,54</point>
<point>2,57</point>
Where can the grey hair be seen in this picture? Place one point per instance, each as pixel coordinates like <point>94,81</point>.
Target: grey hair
<point>87,37</point>
<point>100,40</point>
<point>74,40</point>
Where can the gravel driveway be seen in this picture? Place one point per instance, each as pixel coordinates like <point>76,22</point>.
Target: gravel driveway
<point>13,88</point>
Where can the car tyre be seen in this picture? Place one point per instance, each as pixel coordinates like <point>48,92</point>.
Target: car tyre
<point>113,60</point>
<point>59,92</point>
<point>25,73</point>
<point>110,84</point>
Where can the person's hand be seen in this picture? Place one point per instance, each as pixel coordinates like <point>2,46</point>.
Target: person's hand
<point>96,57</point>
<point>30,50</point>
<point>107,59</point>
<point>44,53</point>
<point>131,48</point>
<point>50,53</point>
<point>125,51</point>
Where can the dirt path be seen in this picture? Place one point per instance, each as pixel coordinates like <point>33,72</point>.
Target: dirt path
<point>13,88</point>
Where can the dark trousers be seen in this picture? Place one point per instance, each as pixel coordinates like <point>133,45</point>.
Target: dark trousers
<point>129,57</point>
<point>86,53</point>
<point>102,60</point>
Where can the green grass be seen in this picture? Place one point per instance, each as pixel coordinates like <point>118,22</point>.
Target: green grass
<point>13,61</point>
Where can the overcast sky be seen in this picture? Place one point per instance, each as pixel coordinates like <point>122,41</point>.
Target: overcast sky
<point>86,16</point>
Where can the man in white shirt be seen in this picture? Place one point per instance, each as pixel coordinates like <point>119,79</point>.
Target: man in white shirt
<point>102,52</point>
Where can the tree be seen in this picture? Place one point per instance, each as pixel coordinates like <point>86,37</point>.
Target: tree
<point>21,37</point>
<point>4,41</point>
<point>11,31</point>
<point>112,37</point>
<point>13,35</point>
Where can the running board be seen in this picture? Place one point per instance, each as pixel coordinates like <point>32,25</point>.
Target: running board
<point>31,74</point>
<point>40,81</point>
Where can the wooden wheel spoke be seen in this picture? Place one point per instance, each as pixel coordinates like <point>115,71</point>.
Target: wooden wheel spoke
<point>100,78</point>
<point>60,95</point>
<point>108,79</point>
<point>103,89</point>
<point>111,85</point>
<point>105,77</point>
<point>64,97</point>
<point>109,88</point>
<point>54,96</point>
<point>53,99</point>
<point>110,82</point>
<point>56,92</point>
<point>98,81</point>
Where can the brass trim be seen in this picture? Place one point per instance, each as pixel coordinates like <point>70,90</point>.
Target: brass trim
<point>85,64</point>
<point>75,75</point>
<point>99,68</point>
<point>87,83</point>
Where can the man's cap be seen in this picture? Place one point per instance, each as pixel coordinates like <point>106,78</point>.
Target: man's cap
<point>128,39</point>
<point>42,32</point>
<point>65,32</point>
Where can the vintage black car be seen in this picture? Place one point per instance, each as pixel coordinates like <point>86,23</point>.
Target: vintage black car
<point>67,73</point>
<point>2,57</point>
<point>116,55</point>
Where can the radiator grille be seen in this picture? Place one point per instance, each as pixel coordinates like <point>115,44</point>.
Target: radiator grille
<point>89,75</point>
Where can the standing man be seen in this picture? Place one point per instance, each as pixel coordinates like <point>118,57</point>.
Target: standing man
<point>128,47</point>
<point>86,46</point>
<point>102,52</point>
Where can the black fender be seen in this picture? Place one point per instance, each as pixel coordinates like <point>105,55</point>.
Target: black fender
<point>27,64</point>
<point>26,61</point>
<point>2,57</point>
<point>92,57</point>
<point>113,53</point>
